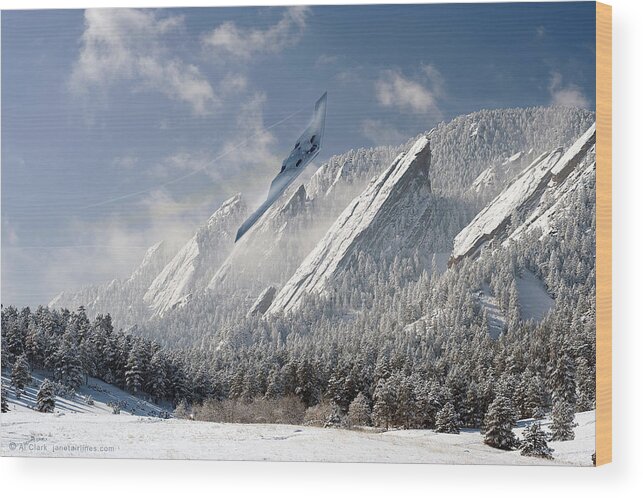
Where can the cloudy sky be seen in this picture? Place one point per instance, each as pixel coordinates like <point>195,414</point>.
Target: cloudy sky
<point>124,127</point>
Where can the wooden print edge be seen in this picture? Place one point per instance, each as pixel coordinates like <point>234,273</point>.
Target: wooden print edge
<point>603,233</point>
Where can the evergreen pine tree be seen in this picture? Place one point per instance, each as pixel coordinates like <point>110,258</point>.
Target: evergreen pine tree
<point>21,374</point>
<point>534,397</point>
<point>69,366</point>
<point>46,397</point>
<point>585,385</point>
<point>405,405</point>
<point>472,416</point>
<point>15,339</point>
<point>562,425</point>
<point>275,387</point>
<point>535,443</point>
<point>237,383</point>
<point>498,424</point>
<point>157,378</point>
<point>562,378</point>
<point>359,411</point>
<point>447,420</point>
<point>250,386</point>
<point>384,403</point>
<point>336,418</point>
<point>3,400</point>
<point>135,369</point>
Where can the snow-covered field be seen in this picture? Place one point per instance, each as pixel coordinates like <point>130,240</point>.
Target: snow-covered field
<point>29,433</point>
<point>77,429</point>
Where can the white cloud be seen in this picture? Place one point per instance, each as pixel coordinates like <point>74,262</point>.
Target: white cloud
<point>248,147</point>
<point>252,149</point>
<point>326,60</point>
<point>230,39</point>
<point>233,83</point>
<point>380,133</point>
<point>393,89</point>
<point>131,45</point>
<point>434,78</point>
<point>349,76</point>
<point>569,95</point>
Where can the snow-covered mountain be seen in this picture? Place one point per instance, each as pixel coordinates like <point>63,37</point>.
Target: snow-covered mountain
<point>213,284</point>
<point>193,266</point>
<point>532,199</point>
<point>494,178</point>
<point>269,247</point>
<point>380,217</point>
<point>122,298</point>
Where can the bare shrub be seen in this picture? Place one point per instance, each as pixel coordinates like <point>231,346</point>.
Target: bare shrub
<point>319,414</point>
<point>259,410</point>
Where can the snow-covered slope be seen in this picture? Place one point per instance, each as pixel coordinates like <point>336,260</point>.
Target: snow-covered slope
<point>493,178</point>
<point>567,178</point>
<point>397,199</point>
<point>535,302</point>
<point>496,320</point>
<point>93,398</point>
<point>193,266</point>
<point>154,256</point>
<point>534,192</point>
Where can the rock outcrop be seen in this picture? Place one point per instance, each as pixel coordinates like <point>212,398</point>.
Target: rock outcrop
<point>535,191</point>
<point>193,266</point>
<point>389,208</point>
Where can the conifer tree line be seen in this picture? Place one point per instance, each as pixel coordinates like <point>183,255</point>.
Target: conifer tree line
<point>70,347</point>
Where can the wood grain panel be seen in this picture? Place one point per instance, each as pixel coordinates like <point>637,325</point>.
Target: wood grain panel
<point>603,234</point>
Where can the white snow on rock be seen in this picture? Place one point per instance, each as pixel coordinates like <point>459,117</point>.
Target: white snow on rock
<point>397,193</point>
<point>263,302</point>
<point>54,303</point>
<point>494,176</point>
<point>193,266</point>
<point>484,179</point>
<point>548,211</point>
<point>574,155</point>
<point>547,174</point>
<point>149,260</point>
<point>497,214</point>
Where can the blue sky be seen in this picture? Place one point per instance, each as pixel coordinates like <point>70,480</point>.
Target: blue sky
<point>124,127</point>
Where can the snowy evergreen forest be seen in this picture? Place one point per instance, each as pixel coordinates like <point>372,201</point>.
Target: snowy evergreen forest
<point>393,336</point>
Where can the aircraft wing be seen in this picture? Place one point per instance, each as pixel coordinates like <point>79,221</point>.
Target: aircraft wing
<point>303,152</point>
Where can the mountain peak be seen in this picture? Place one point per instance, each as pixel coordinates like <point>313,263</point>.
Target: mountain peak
<point>193,266</point>
<point>523,196</point>
<point>398,192</point>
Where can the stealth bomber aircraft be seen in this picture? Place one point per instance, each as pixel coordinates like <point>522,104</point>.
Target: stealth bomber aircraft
<point>304,151</point>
